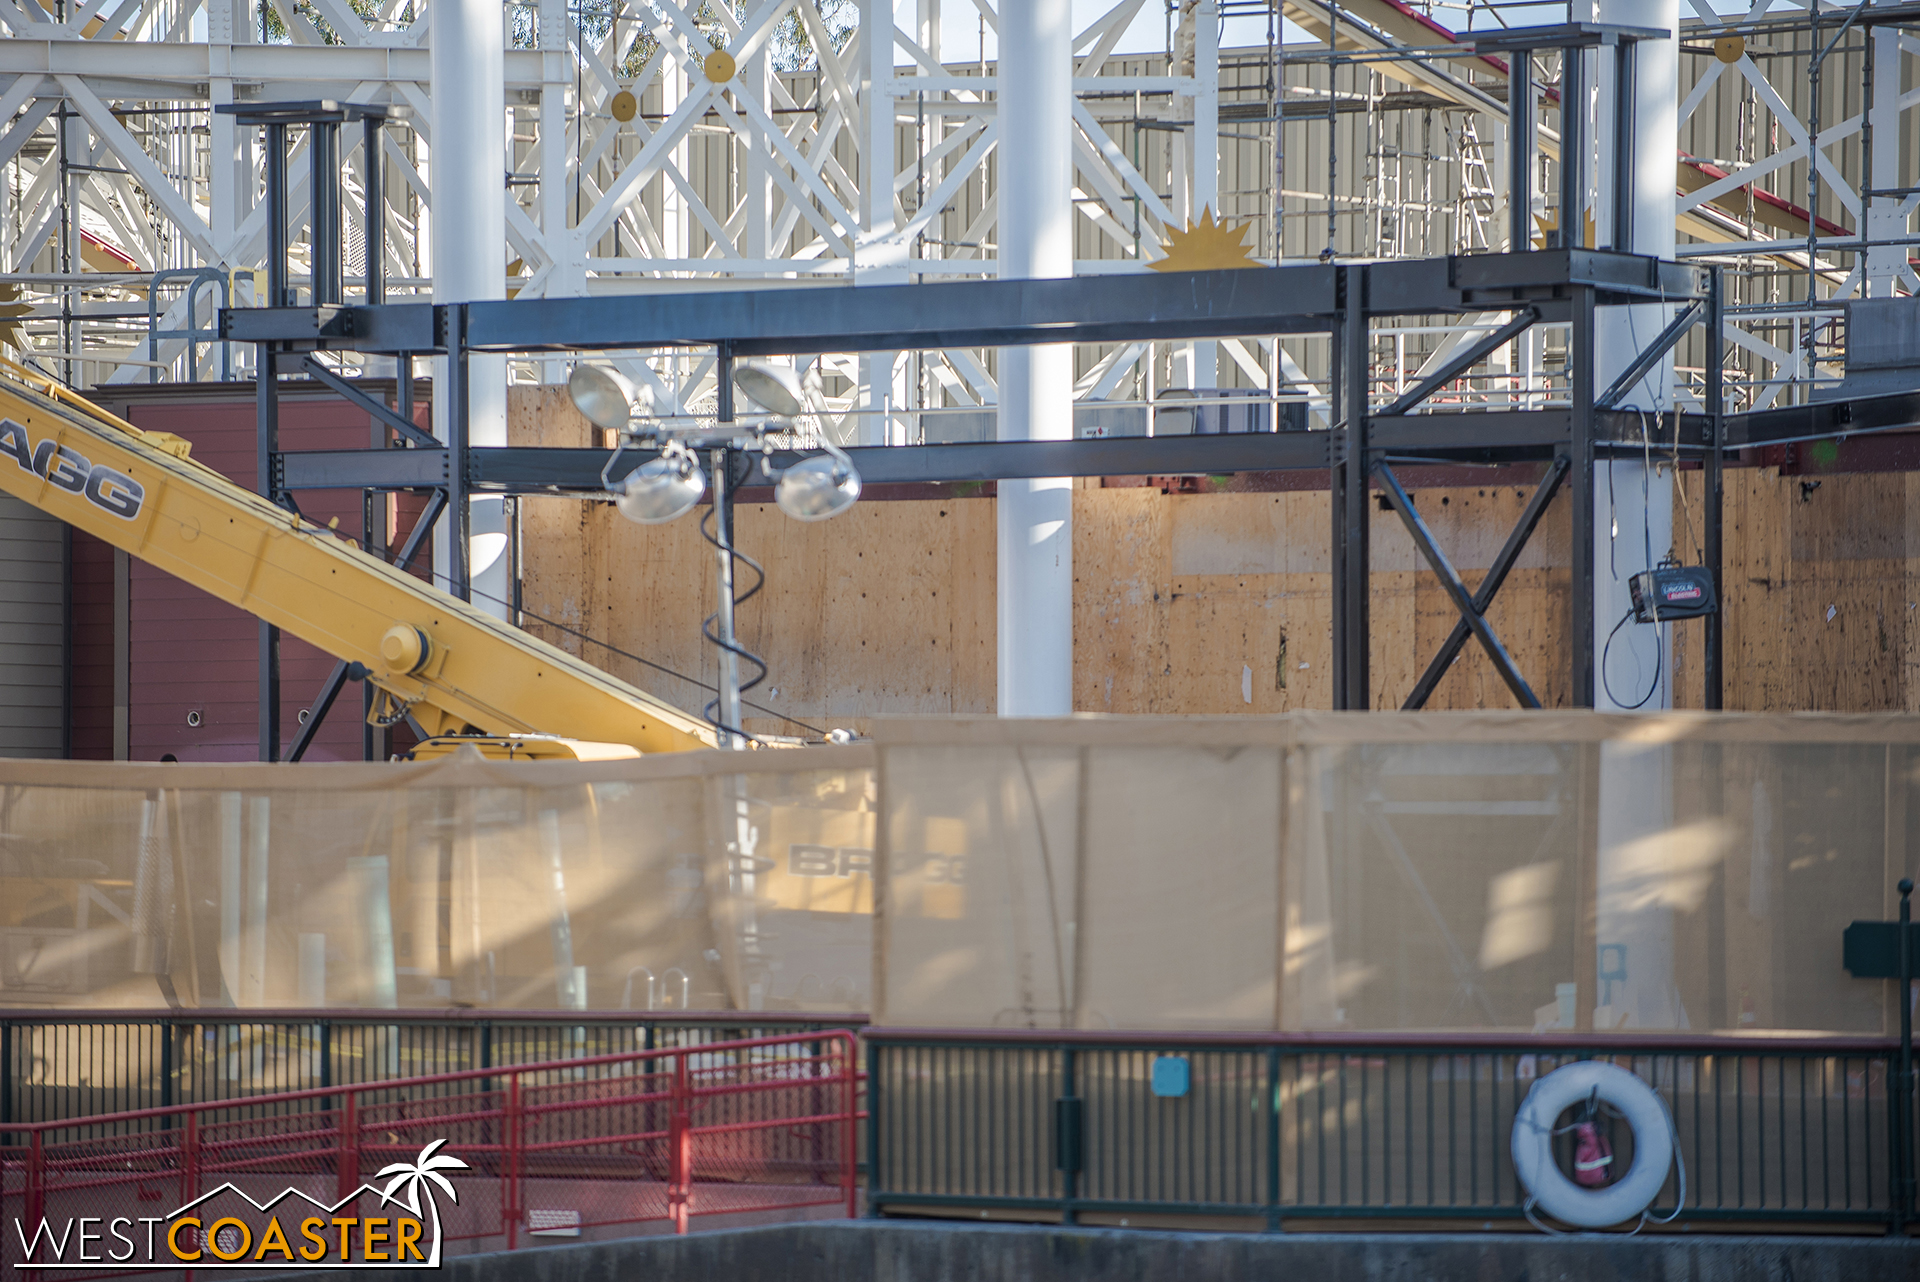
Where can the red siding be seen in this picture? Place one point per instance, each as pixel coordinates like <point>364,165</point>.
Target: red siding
<point>193,653</point>
<point>90,634</point>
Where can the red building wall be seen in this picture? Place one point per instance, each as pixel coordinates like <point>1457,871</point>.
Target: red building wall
<point>190,653</point>
<point>90,648</point>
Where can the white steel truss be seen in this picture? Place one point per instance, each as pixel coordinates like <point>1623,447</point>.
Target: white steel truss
<point>836,144</point>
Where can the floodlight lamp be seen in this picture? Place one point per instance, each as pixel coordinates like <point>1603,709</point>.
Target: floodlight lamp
<point>661,489</point>
<point>774,388</point>
<point>605,395</point>
<point>817,488</point>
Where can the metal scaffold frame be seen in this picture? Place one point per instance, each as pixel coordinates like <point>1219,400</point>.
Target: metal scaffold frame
<point>632,164</point>
<point>1339,301</point>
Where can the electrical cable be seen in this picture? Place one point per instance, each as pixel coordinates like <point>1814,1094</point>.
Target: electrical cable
<point>644,662</point>
<point>712,709</point>
<point>1607,685</point>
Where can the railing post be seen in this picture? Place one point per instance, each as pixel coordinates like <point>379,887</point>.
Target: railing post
<point>347,1164</point>
<point>189,1159</point>
<point>1068,1136</point>
<point>680,1147</point>
<point>1270,1106</point>
<point>850,1129</point>
<point>167,1034</point>
<point>512,1144</point>
<point>1901,1150</point>
<point>36,1199</point>
<point>874,1183</point>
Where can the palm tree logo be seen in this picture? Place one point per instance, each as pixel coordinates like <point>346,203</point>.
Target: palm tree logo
<point>412,1178</point>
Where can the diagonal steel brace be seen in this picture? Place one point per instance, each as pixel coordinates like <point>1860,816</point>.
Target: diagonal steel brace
<point>410,431</point>
<point>343,672</point>
<point>1450,578</point>
<point>1646,360</point>
<point>1490,585</point>
<point>1464,361</point>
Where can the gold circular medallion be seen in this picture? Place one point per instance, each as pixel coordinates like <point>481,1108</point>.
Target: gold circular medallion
<point>624,106</point>
<point>1730,49</point>
<point>720,66</point>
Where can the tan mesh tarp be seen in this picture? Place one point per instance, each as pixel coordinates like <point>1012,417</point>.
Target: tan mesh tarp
<point>1314,871</point>
<point>649,884</point>
<point>1386,871</point>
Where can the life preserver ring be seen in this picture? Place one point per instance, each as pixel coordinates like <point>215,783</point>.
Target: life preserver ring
<point>1630,1194</point>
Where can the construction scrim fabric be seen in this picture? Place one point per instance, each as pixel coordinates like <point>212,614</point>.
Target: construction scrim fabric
<point>1363,872</point>
<point>1376,872</point>
<point>697,881</point>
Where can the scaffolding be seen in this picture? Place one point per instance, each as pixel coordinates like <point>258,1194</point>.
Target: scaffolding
<point>1356,130</point>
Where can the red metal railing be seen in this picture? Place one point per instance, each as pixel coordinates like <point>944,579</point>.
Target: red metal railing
<point>742,1127</point>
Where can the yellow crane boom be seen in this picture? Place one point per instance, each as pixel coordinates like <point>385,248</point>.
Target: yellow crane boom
<point>455,669</point>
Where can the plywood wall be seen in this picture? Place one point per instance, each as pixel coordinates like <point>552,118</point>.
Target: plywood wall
<point>1822,604</point>
<point>1213,603</point>
<point>1183,603</point>
<point>1218,603</point>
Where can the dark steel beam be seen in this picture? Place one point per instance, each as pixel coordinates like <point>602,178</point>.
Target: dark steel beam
<point>1490,585</point>
<point>1582,645</point>
<point>1469,429</point>
<point>406,427</point>
<point>266,390</point>
<point>1464,361</point>
<point>1890,412</point>
<point>1713,494</point>
<point>329,691</point>
<point>1450,579</point>
<point>992,313</point>
<point>1560,35</point>
<point>526,470</point>
<point>459,487</point>
<point>417,537</point>
<point>372,469</point>
<point>1647,359</point>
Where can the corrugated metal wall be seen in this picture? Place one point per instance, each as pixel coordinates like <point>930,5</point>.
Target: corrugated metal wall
<point>33,631</point>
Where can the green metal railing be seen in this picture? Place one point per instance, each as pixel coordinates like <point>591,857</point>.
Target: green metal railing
<point>64,1064</point>
<point>1311,1127</point>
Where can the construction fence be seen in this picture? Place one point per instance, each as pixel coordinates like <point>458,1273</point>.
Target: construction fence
<point>1524,872</point>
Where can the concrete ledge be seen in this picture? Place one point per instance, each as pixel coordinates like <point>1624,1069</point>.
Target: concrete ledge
<point>898,1251</point>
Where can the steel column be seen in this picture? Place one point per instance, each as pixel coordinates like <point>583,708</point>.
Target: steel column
<point>1573,148</point>
<point>1520,150</point>
<point>1713,494</point>
<point>1624,59</point>
<point>1351,676</point>
<point>1582,643</point>
<point>266,445</point>
<point>323,202</point>
<point>459,407</point>
<point>276,158</point>
<point>373,184</point>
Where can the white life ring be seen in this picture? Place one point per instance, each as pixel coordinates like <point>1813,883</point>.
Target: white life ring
<point>1628,1196</point>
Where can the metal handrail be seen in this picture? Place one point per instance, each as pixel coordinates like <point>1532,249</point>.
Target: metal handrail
<point>431,1079</point>
<point>196,278</point>
<point>424,1015</point>
<point>340,1119</point>
<point>1609,1043</point>
<point>1345,1125</point>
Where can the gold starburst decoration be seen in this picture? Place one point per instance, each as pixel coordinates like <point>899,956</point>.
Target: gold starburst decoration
<point>1206,246</point>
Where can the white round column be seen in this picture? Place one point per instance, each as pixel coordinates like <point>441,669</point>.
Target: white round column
<point>1035,517</point>
<point>469,251</point>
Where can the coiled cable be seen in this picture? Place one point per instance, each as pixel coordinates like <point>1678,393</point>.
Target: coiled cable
<point>734,555</point>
